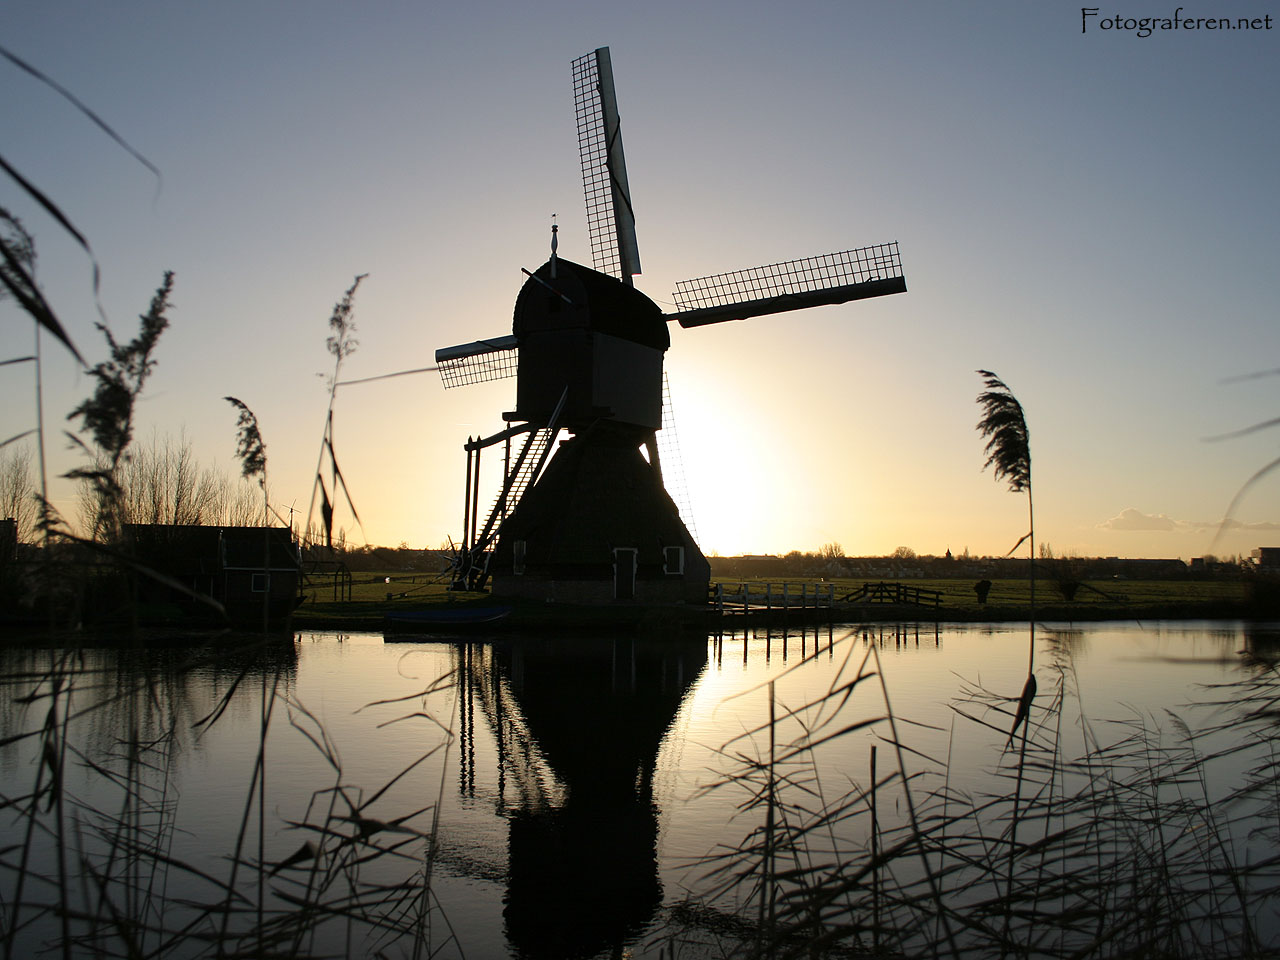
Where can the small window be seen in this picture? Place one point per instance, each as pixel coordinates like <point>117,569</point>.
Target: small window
<point>260,583</point>
<point>517,557</point>
<point>673,561</point>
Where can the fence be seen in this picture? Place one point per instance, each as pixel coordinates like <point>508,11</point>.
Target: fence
<point>894,593</point>
<point>753,596</point>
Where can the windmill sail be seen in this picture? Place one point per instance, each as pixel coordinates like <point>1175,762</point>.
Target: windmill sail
<point>874,271</point>
<point>611,224</point>
<point>478,361</point>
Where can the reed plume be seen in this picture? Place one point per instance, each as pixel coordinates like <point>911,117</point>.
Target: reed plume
<point>1008,451</point>
<point>251,451</point>
<point>1004,427</point>
<point>108,415</point>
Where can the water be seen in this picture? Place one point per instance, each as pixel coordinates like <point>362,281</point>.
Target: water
<point>574,788</point>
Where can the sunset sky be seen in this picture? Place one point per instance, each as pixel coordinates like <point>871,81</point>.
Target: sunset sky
<point>1093,215</point>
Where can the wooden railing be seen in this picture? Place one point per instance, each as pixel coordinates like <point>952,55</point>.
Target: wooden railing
<point>894,593</point>
<point>328,573</point>
<point>753,595</point>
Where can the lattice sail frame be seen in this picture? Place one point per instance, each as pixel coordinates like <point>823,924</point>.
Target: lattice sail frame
<point>881,261</point>
<point>478,362</point>
<point>611,226</point>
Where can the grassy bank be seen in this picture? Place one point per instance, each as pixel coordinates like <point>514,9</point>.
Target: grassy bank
<point>375,594</point>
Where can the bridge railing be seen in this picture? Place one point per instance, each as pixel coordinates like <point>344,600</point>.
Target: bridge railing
<point>894,593</point>
<point>754,595</point>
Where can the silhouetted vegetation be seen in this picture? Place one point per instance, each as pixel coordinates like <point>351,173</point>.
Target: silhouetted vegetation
<point>107,415</point>
<point>99,873</point>
<point>815,565</point>
<point>1137,850</point>
<point>341,343</point>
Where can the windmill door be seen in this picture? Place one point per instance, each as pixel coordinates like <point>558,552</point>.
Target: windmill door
<point>624,573</point>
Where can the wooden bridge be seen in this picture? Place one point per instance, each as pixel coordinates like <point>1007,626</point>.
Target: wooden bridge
<point>755,596</point>
<point>899,593</point>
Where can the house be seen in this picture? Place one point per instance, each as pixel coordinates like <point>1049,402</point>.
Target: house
<point>239,567</point>
<point>1267,559</point>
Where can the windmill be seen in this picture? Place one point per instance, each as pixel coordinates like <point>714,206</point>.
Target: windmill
<point>593,522</point>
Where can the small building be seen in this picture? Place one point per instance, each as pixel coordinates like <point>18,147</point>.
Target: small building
<point>1267,559</point>
<point>236,566</point>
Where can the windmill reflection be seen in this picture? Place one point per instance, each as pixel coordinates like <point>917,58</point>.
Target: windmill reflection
<point>578,726</point>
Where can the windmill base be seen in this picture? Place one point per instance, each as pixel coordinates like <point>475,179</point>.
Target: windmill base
<point>599,527</point>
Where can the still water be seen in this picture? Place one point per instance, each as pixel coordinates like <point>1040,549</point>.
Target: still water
<point>525,797</point>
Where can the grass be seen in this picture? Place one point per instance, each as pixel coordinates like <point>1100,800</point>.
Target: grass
<point>1119,598</point>
<point>374,594</point>
<point>1123,597</point>
<point>373,587</point>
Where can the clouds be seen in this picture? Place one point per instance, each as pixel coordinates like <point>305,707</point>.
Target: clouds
<point>1132,520</point>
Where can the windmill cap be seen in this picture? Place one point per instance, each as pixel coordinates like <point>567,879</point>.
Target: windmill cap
<point>597,302</point>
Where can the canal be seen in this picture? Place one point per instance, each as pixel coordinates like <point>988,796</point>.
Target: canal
<point>352,795</point>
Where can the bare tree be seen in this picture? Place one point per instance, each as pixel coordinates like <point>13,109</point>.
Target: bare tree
<point>243,504</point>
<point>163,482</point>
<point>18,489</point>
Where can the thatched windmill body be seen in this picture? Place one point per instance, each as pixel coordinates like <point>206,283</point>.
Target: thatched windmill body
<point>594,522</point>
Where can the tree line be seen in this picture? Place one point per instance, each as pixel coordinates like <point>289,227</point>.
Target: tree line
<point>162,482</point>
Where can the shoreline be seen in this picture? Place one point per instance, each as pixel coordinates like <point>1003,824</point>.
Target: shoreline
<point>650,620</point>
<point>653,618</point>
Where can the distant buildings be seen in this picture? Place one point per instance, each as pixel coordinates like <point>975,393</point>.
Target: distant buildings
<point>1267,559</point>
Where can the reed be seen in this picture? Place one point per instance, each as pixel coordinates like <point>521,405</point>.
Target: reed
<point>88,877</point>
<point>341,343</point>
<point>1127,845</point>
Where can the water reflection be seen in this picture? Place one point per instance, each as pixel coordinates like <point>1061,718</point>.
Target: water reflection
<point>96,747</point>
<point>145,692</point>
<point>576,793</point>
<point>578,724</point>
<point>772,645</point>
<point>1262,643</point>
